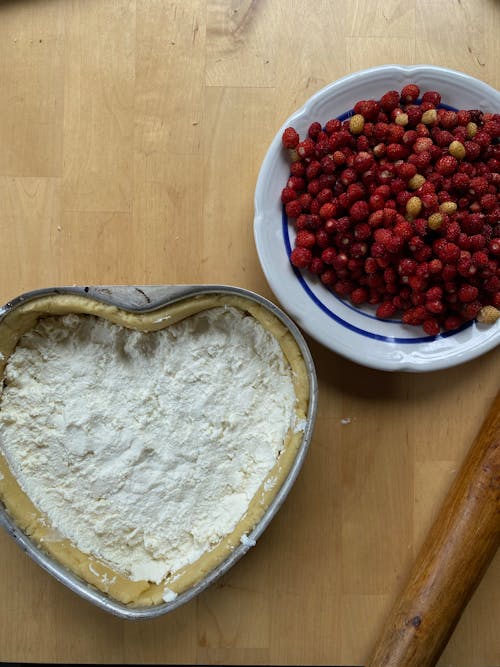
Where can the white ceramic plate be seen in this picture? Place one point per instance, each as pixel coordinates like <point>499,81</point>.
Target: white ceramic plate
<point>351,331</point>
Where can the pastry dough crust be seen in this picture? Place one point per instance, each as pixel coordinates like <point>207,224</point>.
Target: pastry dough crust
<point>36,525</point>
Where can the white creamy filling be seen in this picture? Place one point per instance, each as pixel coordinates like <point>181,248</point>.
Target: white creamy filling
<point>145,449</point>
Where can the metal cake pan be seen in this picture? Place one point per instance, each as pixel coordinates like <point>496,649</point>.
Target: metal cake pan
<point>142,299</point>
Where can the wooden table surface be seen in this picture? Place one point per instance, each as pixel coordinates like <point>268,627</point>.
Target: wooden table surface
<point>131,135</point>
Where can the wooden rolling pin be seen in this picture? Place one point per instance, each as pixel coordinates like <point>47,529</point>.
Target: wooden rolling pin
<point>454,557</point>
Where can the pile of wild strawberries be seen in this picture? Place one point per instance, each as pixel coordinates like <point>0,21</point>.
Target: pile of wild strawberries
<point>399,206</point>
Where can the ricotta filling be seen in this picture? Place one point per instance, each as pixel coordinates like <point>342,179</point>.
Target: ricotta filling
<point>145,449</point>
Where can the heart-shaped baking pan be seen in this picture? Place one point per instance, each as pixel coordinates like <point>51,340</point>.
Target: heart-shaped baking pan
<point>149,309</point>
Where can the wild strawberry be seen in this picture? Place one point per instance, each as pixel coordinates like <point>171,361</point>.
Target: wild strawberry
<point>325,195</point>
<point>328,210</point>
<point>457,149</point>
<point>429,114</point>
<point>298,169</point>
<point>376,202</point>
<point>288,195</point>
<point>306,148</point>
<point>328,277</point>
<point>328,255</point>
<point>442,138</point>
<point>305,239</point>
<point>348,176</point>
<point>380,131</point>
<point>494,246</point>
<point>460,181</point>
<point>359,250</point>
<point>389,101</point>
<point>482,138</point>
<point>317,266</point>
<point>415,316</point>
<point>479,259</point>
<point>472,150</point>
<point>327,181</point>
<point>305,201</point>
<point>296,183</point>
<point>359,295</point>
<point>290,138</point>
<point>431,97</point>
<point>431,326</point>
<point>488,314</point>
<point>314,130</point>
<point>293,209</point>
<point>469,310</point>
<point>385,310</point>
<point>315,206</point>
<point>467,293</point>
<point>396,152</point>
<point>332,126</point>
<point>356,124</point>
<point>406,170</point>
<point>395,134</point>
<point>301,257</point>
<point>321,239</point>
<point>321,148</point>
<point>410,93</point>
<point>492,284</point>
<point>403,230</point>
<point>488,202</point>
<point>402,199</point>
<point>478,186</point>
<point>369,109</point>
<point>463,117</point>
<point>409,138</point>
<point>363,161</point>
<point>446,165</point>
<point>447,118</point>
<point>422,144</point>
<point>362,230</point>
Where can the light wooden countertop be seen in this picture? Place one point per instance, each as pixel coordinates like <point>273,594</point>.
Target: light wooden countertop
<point>131,134</point>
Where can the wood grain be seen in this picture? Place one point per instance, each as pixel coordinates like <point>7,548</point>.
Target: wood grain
<point>131,135</point>
<point>454,557</point>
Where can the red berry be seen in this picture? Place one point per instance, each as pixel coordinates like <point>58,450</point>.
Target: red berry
<point>290,138</point>
<point>301,257</point>
<point>385,310</point>
<point>305,239</point>
<point>447,119</point>
<point>369,109</point>
<point>306,148</point>
<point>288,195</point>
<point>470,310</point>
<point>431,326</point>
<point>332,126</point>
<point>389,101</point>
<point>328,255</point>
<point>296,183</point>
<point>410,93</point>
<point>293,209</point>
<point>472,150</point>
<point>328,210</point>
<point>314,129</point>
<point>446,165</point>
<point>467,293</point>
<point>328,277</point>
<point>432,97</point>
<point>363,161</point>
<point>316,267</point>
<point>396,152</point>
<point>359,296</point>
<point>463,117</point>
